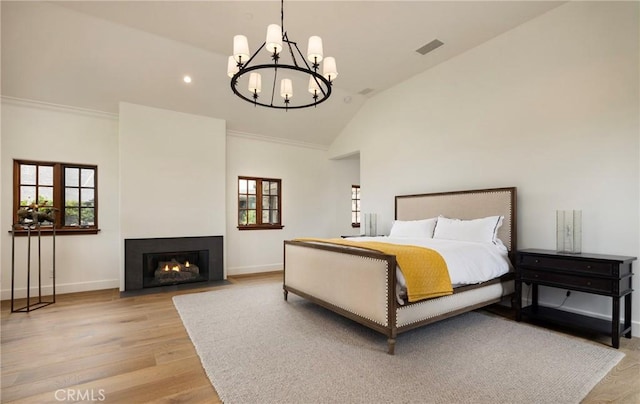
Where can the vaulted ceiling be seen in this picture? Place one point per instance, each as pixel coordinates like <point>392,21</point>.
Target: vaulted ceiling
<point>94,54</point>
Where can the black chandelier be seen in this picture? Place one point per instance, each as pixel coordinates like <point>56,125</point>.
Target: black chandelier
<point>248,70</point>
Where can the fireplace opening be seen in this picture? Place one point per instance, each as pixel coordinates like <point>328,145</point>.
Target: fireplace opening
<point>172,268</point>
<point>152,265</point>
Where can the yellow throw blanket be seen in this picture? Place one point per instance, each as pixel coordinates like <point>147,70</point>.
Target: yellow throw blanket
<point>424,269</point>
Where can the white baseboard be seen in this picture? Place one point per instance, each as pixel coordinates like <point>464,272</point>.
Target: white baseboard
<point>47,290</point>
<point>255,269</point>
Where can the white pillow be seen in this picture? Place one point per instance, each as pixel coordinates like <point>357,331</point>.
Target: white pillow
<point>413,228</point>
<point>484,230</point>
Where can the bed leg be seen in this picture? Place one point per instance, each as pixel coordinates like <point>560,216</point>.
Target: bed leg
<point>391,342</point>
<point>285,292</point>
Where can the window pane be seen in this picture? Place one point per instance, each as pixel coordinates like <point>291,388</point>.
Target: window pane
<point>71,197</point>
<point>251,219</point>
<point>275,216</point>
<point>87,197</point>
<point>45,196</point>
<point>252,186</point>
<point>87,216</point>
<point>354,217</point>
<point>358,192</point>
<point>27,195</point>
<point>45,175</point>
<point>87,177</point>
<point>265,217</point>
<point>242,186</point>
<point>265,187</point>
<point>354,205</point>
<point>274,202</point>
<point>71,217</point>
<point>252,201</point>
<point>354,194</point>
<point>357,217</point>
<point>242,202</point>
<point>71,177</point>
<point>27,174</point>
<point>265,202</point>
<point>242,217</point>
<point>273,188</point>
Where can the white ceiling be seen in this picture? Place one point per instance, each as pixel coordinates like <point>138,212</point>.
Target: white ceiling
<point>94,54</point>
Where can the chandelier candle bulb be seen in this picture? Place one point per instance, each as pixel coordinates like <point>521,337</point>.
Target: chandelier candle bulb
<point>240,48</point>
<point>274,39</point>
<point>286,89</point>
<point>330,72</point>
<point>313,86</point>
<point>314,50</point>
<point>232,66</point>
<point>255,83</point>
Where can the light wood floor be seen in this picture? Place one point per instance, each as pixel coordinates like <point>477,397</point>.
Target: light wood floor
<point>98,347</point>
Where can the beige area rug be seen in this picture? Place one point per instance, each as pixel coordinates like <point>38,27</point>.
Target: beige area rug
<point>257,348</point>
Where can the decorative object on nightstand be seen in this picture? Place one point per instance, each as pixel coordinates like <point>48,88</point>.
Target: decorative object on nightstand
<point>605,275</point>
<point>371,224</point>
<point>569,231</point>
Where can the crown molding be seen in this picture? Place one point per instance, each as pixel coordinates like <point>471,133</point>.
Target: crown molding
<point>270,139</point>
<point>23,102</point>
<point>109,115</point>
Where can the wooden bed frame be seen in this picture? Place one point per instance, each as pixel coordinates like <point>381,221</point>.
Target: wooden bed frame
<point>360,284</point>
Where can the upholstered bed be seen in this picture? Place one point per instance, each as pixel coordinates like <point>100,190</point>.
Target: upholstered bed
<point>360,283</point>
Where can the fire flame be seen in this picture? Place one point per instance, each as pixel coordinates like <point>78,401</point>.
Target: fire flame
<point>186,264</point>
<point>175,268</point>
<point>166,268</point>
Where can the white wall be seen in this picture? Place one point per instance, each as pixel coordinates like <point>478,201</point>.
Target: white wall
<point>550,107</point>
<point>172,173</point>
<point>162,174</point>
<point>316,195</point>
<point>52,133</point>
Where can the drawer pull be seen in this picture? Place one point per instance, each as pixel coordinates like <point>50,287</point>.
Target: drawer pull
<point>537,261</point>
<point>588,266</point>
<point>588,283</point>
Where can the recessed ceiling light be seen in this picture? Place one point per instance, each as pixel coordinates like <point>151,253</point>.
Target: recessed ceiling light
<point>187,79</point>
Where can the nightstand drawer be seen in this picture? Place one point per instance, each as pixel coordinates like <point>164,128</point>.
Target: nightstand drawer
<point>569,264</point>
<point>568,281</point>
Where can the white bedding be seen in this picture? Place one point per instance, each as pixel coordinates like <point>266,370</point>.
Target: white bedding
<point>468,262</point>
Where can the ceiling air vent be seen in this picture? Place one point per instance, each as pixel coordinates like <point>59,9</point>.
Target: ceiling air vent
<point>366,91</point>
<point>430,47</point>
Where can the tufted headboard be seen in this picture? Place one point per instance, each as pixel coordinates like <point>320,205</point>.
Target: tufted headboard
<point>464,205</point>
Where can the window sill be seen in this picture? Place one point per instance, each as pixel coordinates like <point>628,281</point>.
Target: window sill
<point>354,225</point>
<point>260,227</point>
<point>47,231</point>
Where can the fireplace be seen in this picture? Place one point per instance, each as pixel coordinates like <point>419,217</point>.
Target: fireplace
<point>155,264</point>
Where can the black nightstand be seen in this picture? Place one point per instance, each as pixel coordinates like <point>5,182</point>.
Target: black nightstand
<point>606,275</point>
